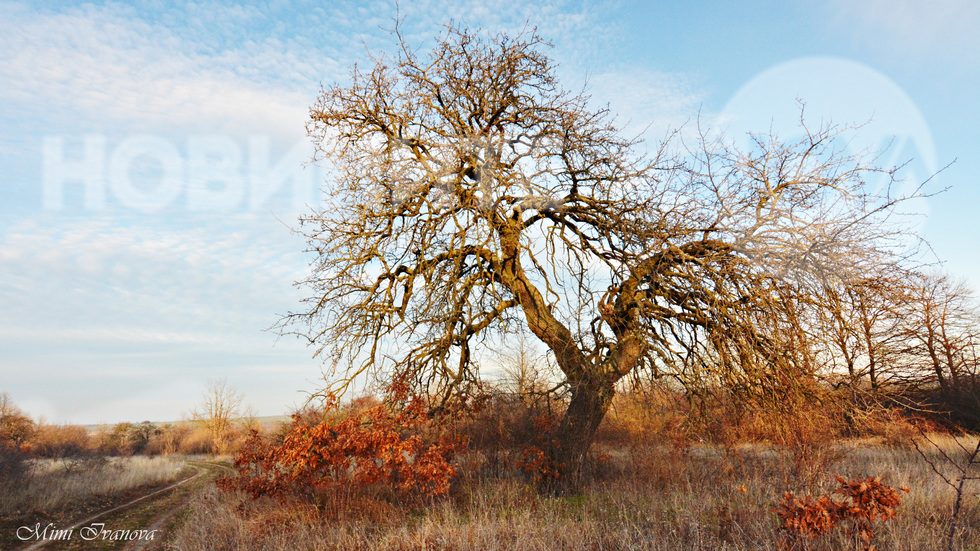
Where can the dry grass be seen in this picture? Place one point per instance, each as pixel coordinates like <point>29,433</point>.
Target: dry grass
<point>54,483</point>
<point>643,498</point>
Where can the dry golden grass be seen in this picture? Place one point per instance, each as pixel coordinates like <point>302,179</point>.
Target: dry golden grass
<point>700,497</point>
<point>54,483</point>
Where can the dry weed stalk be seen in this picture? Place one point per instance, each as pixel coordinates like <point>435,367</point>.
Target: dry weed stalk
<point>958,483</point>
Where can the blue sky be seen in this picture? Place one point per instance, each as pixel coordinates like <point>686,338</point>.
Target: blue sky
<point>153,158</point>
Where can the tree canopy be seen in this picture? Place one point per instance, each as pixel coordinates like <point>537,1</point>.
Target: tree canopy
<point>474,196</point>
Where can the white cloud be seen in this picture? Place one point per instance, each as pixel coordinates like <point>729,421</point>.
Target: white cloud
<point>645,101</point>
<point>103,315</point>
<point>123,333</point>
<point>102,67</point>
<point>215,67</point>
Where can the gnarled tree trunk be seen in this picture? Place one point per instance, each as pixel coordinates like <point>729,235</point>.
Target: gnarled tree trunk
<point>591,400</point>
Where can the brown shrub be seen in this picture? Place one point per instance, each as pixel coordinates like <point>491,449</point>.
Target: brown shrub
<point>197,441</point>
<point>865,501</point>
<point>167,439</point>
<point>895,426</point>
<point>61,441</point>
<point>646,416</point>
<point>400,448</point>
<point>15,426</point>
<point>16,431</point>
<point>800,418</point>
<point>124,439</point>
<point>537,459</point>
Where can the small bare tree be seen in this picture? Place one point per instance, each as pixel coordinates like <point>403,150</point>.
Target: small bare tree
<point>525,370</point>
<point>220,405</point>
<point>473,195</point>
<point>861,328</point>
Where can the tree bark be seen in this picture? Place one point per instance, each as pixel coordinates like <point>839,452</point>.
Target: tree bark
<point>590,401</point>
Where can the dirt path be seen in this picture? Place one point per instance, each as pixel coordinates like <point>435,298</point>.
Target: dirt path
<point>150,513</point>
<point>168,514</point>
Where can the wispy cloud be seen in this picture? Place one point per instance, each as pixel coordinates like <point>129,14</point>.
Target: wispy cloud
<point>648,102</point>
<point>102,67</point>
<point>142,283</point>
<point>919,31</point>
<point>218,67</point>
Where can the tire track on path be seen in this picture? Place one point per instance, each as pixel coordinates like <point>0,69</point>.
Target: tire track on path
<point>160,520</point>
<point>203,469</point>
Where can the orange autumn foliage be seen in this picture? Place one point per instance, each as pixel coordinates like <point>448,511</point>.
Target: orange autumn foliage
<point>538,461</point>
<point>377,446</point>
<point>865,501</point>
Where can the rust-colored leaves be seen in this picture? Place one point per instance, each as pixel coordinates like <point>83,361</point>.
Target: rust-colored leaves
<point>400,448</point>
<point>865,501</point>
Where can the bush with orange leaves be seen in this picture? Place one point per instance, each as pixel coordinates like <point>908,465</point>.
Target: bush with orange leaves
<point>537,460</point>
<point>865,501</point>
<point>539,465</point>
<point>399,447</point>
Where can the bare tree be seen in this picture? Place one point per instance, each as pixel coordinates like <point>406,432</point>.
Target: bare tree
<point>862,328</point>
<point>528,376</point>
<point>941,333</point>
<point>220,405</point>
<point>473,196</point>
<point>941,327</point>
<point>524,369</point>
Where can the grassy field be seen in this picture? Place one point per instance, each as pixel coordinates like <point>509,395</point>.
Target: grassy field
<point>62,491</point>
<point>697,497</point>
<point>55,483</point>
<point>687,495</point>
